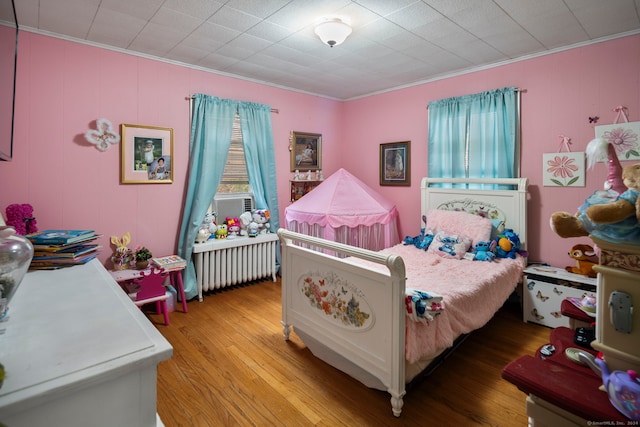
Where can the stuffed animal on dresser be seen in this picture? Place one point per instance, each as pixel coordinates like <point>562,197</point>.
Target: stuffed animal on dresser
<point>612,214</point>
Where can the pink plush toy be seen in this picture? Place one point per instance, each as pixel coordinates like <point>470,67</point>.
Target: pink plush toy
<point>21,218</point>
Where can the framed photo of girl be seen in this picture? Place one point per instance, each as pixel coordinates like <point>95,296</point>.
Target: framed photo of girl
<point>306,151</point>
<point>395,163</point>
<point>146,155</point>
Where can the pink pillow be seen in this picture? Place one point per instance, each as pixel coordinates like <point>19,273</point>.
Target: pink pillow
<point>475,227</point>
<point>449,245</point>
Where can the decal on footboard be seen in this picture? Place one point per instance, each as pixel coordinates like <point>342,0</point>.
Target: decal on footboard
<point>336,300</point>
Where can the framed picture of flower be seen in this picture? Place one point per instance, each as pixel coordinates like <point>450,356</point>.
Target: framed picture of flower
<point>563,169</point>
<point>624,137</point>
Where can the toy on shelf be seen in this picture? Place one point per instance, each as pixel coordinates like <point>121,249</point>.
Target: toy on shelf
<point>233,227</point>
<point>222,232</point>
<point>612,214</point>
<point>585,260</point>
<point>259,222</point>
<point>208,228</point>
<point>122,256</point>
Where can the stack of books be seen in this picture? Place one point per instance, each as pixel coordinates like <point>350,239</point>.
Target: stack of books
<point>171,262</point>
<point>62,248</point>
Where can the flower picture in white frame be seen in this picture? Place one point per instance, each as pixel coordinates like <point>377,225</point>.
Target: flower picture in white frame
<point>563,169</point>
<point>624,137</point>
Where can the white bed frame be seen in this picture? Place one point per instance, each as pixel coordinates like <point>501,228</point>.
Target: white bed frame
<point>371,348</point>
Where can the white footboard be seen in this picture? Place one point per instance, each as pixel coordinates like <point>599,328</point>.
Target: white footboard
<point>346,312</point>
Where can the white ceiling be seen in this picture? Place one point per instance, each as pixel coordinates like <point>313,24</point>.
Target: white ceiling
<point>395,43</point>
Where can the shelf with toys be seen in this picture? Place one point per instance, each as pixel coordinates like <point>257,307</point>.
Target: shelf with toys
<point>303,182</point>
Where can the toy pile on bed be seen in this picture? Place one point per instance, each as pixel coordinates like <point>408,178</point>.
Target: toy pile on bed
<point>505,245</point>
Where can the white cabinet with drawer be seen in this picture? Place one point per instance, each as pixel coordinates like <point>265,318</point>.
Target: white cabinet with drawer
<point>544,290</point>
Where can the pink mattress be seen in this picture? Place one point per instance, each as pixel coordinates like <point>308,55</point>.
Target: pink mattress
<point>472,292</point>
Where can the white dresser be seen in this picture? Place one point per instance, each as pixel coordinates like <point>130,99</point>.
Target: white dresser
<point>78,352</point>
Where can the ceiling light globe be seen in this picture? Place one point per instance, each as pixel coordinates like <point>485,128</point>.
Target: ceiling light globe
<point>333,31</point>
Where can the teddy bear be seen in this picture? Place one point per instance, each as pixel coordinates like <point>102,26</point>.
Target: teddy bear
<point>622,212</point>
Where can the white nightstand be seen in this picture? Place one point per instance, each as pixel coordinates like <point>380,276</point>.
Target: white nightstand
<point>544,290</point>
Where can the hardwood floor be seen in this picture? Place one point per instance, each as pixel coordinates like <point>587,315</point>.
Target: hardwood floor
<point>231,367</point>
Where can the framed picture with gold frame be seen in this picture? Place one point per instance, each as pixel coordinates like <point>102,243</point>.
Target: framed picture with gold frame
<point>395,163</point>
<point>146,154</point>
<point>306,151</point>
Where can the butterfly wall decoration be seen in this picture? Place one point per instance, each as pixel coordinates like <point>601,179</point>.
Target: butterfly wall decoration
<point>103,135</point>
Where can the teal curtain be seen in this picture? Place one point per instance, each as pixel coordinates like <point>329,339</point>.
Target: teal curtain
<point>474,136</point>
<point>257,137</point>
<point>211,127</point>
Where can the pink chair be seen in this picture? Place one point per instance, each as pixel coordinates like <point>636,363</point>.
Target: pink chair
<point>151,289</point>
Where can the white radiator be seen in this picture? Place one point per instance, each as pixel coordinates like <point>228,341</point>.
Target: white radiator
<point>228,262</point>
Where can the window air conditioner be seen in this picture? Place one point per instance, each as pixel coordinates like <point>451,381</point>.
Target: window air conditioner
<point>231,205</point>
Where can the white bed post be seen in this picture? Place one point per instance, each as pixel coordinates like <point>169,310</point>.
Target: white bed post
<point>396,267</point>
<point>286,327</point>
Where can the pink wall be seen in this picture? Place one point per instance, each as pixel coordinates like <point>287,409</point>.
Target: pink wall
<point>562,91</point>
<point>63,87</point>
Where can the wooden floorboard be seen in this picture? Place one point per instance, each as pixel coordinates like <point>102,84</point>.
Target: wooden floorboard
<point>232,367</point>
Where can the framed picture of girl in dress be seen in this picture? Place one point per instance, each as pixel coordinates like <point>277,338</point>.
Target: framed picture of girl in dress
<point>306,151</point>
<point>146,155</point>
<point>395,163</point>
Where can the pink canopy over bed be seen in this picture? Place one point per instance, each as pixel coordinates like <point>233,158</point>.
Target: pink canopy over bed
<point>345,210</point>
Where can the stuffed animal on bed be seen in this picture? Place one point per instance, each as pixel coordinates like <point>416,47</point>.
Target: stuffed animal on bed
<point>508,244</point>
<point>482,251</point>
<point>421,241</point>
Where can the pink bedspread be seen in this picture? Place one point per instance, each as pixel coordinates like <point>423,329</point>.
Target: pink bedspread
<point>472,292</point>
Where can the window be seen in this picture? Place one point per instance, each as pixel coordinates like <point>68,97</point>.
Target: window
<point>235,178</point>
<point>475,136</point>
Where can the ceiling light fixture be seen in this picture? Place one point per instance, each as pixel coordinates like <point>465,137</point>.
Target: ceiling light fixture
<point>333,31</point>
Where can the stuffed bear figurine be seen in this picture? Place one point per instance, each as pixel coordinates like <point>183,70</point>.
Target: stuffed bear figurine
<point>624,211</point>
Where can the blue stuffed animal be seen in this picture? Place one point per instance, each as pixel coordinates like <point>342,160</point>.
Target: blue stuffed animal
<point>421,241</point>
<point>508,244</point>
<point>482,251</point>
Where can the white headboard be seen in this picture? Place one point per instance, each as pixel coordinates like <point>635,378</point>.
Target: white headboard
<point>508,205</point>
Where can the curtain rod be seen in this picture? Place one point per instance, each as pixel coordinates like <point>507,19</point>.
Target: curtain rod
<point>273,110</point>
<point>517,89</point>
